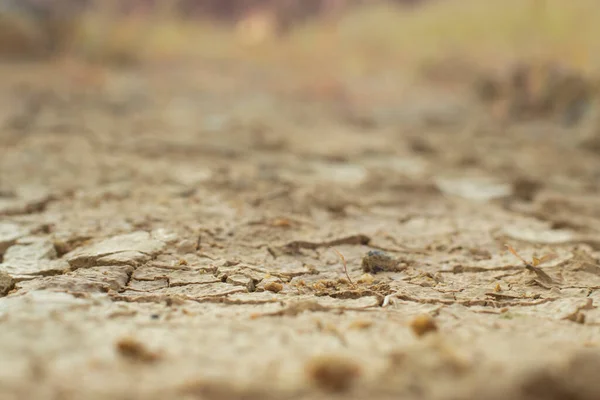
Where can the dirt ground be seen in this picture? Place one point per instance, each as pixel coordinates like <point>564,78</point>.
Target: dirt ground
<point>172,233</point>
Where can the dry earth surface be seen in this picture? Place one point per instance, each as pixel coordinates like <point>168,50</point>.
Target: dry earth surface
<point>171,232</point>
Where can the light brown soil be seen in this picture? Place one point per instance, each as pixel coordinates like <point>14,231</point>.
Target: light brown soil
<point>170,233</point>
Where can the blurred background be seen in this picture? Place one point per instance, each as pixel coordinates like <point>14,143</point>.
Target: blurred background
<point>333,43</point>
<point>384,32</point>
<point>422,68</point>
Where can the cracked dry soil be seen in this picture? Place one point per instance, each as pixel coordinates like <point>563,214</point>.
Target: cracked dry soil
<point>171,234</point>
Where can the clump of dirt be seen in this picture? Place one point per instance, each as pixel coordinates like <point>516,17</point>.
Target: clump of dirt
<point>423,324</point>
<point>132,349</point>
<point>274,287</point>
<point>333,373</point>
<point>7,283</point>
<point>377,261</point>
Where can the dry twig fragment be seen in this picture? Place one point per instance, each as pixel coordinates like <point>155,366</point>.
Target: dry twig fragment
<point>345,267</point>
<point>533,265</point>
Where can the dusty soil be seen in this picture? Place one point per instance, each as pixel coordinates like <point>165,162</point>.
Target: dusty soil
<point>171,232</point>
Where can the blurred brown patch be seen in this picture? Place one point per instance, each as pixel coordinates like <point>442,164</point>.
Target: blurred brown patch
<point>26,37</point>
<point>18,37</point>
<point>333,374</point>
<point>538,91</point>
